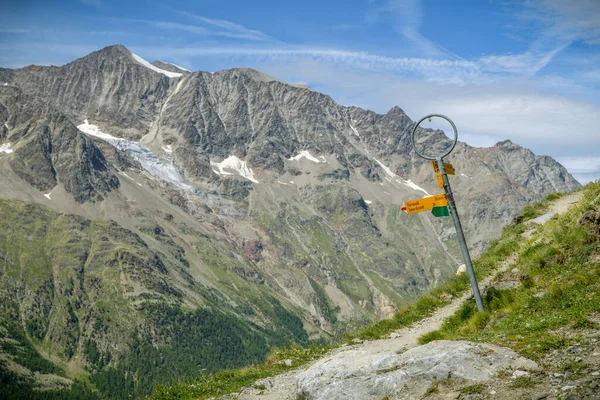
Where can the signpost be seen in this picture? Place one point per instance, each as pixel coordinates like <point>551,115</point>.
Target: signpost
<point>434,203</point>
<point>426,203</point>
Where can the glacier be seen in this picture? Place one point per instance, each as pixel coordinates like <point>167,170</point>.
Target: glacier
<point>159,168</point>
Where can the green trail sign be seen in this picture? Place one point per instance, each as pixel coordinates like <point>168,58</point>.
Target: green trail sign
<point>440,211</point>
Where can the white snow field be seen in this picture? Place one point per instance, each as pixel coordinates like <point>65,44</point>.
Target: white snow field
<point>232,163</point>
<point>6,148</point>
<point>306,154</point>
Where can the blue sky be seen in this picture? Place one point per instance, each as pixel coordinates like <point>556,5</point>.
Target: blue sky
<point>524,70</point>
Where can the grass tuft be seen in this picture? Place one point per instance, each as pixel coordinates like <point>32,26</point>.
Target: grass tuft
<point>473,389</point>
<point>523,382</point>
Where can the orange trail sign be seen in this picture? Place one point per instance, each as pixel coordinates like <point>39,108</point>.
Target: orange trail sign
<point>449,168</point>
<point>424,204</point>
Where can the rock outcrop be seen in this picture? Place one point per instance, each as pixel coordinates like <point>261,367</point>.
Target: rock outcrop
<point>361,375</point>
<point>49,150</point>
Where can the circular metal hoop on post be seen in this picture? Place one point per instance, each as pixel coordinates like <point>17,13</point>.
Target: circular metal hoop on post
<point>437,157</point>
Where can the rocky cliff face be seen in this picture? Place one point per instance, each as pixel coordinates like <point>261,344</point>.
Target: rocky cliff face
<point>260,199</point>
<point>51,150</point>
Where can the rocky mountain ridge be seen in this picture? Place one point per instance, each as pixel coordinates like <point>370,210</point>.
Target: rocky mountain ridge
<point>262,200</point>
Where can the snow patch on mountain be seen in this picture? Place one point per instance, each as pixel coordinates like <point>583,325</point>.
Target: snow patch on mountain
<point>154,68</point>
<point>181,68</point>
<point>406,182</point>
<point>232,163</point>
<point>355,131</point>
<point>368,201</point>
<point>93,130</point>
<point>155,167</point>
<point>414,186</point>
<point>167,149</point>
<point>306,154</point>
<point>6,148</point>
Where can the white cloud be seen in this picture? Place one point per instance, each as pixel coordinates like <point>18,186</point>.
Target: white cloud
<point>581,165</point>
<point>524,115</point>
<point>584,169</point>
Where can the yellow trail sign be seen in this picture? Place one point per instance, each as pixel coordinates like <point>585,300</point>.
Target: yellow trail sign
<point>449,168</point>
<point>440,180</point>
<point>424,204</point>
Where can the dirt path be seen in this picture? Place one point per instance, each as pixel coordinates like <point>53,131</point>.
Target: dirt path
<point>559,206</point>
<point>283,387</point>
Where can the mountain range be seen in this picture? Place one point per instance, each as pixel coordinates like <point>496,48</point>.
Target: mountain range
<point>157,222</point>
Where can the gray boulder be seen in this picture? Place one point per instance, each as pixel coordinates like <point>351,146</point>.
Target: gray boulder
<point>359,374</point>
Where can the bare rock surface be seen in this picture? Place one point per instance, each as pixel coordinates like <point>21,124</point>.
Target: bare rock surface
<point>358,374</point>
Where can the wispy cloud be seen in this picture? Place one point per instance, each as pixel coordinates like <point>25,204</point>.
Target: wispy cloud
<point>555,25</point>
<point>231,28</point>
<point>527,63</point>
<point>434,69</point>
<point>570,20</point>
<point>407,17</point>
<point>199,30</point>
<point>224,28</point>
<point>440,70</point>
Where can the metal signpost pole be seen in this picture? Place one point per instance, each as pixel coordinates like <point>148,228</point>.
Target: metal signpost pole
<point>461,237</point>
<point>439,160</point>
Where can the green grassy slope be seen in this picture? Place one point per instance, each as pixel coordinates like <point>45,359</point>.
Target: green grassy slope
<point>557,289</point>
